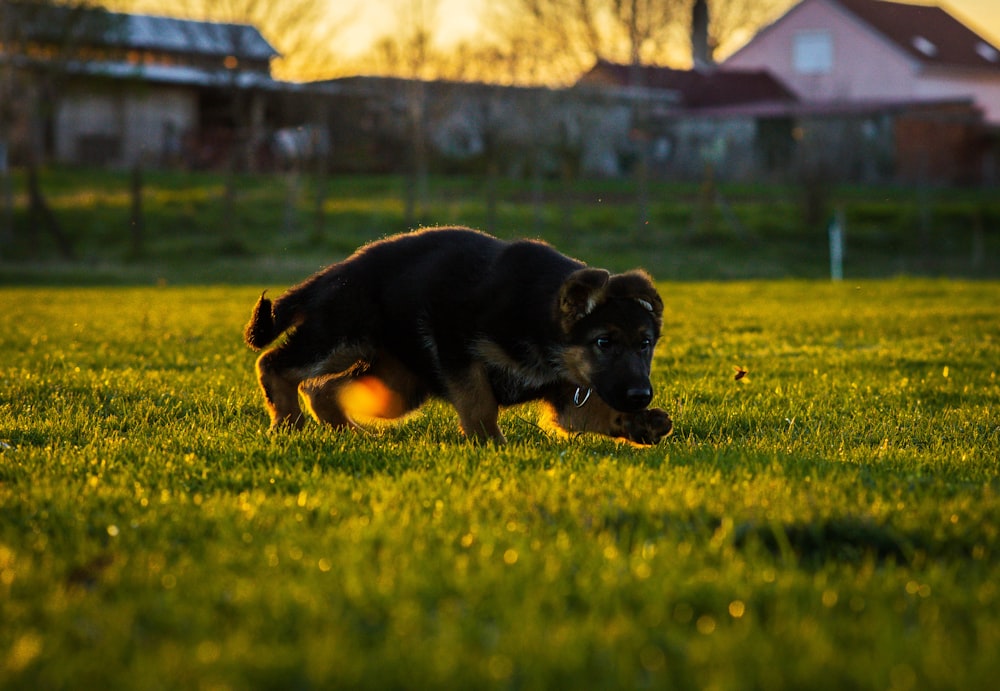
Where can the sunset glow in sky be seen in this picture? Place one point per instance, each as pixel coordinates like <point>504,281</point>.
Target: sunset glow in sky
<point>459,19</point>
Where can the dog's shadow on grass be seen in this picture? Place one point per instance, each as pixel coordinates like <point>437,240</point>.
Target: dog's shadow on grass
<point>805,544</point>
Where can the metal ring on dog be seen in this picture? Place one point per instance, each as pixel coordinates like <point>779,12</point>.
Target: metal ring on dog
<point>576,397</point>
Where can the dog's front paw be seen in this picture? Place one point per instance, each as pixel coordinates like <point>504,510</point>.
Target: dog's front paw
<point>648,426</point>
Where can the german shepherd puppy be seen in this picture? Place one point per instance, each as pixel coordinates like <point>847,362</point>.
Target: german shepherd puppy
<point>457,314</point>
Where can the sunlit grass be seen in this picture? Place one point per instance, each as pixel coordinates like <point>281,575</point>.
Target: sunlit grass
<point>355,205</point>
<point>829,521</point>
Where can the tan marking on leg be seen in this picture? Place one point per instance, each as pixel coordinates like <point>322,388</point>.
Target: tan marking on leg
<point>322,397</point>
<point>643,427</point>
<point>477,407</point>
<point>594,416</point>
<point>281,397</point>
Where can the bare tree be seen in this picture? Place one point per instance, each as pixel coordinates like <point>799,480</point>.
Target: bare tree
<point>732,22</point>
<point>647,26</point>
<point>306,36</point>
<point>295,25</point>
<point>566,37</point>
<point>517,60</point>
<point>408,52</point>
<point>41,44</point>
<point>559,33</point>
<point>7,117</point>
<point>573,34</point>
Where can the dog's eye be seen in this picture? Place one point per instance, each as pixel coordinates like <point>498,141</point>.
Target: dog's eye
<point>645,344</point>
<point>603,343</point>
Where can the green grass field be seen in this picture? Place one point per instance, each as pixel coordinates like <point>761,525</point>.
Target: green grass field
<point>829,522</point>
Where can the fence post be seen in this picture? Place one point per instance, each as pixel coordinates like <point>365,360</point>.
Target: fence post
<point>836,231</point>
<point>137,228</point>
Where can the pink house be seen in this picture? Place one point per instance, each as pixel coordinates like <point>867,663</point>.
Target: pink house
<point>870,50</point>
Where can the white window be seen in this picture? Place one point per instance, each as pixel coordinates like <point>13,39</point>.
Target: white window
<point>925,46</point>
<point>812,52</point>
<point>987,52</point>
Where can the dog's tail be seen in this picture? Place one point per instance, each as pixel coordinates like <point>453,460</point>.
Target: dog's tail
<point>271,319</point>
<point>267,322</point>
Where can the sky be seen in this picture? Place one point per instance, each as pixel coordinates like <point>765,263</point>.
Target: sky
<point>983,16</point>
<point>456,20</point>
<point>459,19</point>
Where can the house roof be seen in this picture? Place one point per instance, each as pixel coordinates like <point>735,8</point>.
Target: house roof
<point>696,88</point>
<point>927,33</point>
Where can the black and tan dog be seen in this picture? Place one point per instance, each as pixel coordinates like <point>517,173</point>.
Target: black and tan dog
<point>460,315</point>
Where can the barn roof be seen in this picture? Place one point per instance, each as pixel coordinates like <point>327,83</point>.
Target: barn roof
<point>74,25</point>
<point>189,36</point>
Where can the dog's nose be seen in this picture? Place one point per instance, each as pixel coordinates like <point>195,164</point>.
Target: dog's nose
<point>639,396</point>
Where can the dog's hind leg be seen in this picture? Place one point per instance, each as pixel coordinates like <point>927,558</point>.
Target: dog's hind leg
<point>473,398</point>
<point>327,378</point>
<point>322,398</point>
<point>281,397</point>
<point>383,389</point>
<point>386,390</point>
<point>282,370</point>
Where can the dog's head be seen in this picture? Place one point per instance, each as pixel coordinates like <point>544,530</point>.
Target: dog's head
<point>611,324</point>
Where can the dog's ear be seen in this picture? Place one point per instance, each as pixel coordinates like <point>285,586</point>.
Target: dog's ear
<point>580,293</point>
<point>637,285</point>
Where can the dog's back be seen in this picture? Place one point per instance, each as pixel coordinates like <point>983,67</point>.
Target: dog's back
<point>397,274</point>
<point>451,281</point>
